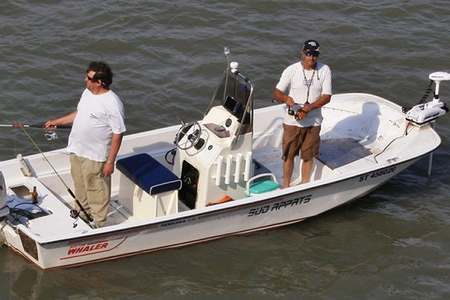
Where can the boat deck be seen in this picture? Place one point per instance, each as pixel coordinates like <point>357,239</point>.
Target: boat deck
<point>58,219</point>
<point>343,149</point>
<point>334,155</point>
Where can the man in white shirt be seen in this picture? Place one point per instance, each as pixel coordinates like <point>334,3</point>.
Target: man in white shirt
<point>305,87</point>
<point>94,141</point>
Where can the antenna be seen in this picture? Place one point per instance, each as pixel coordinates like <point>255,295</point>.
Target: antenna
<point>227,53</point>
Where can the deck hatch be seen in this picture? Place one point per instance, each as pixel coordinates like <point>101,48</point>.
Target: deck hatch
<point>336,153</point>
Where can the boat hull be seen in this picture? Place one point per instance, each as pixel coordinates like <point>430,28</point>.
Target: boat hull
<point>274,209</point>
<point>386,145</point>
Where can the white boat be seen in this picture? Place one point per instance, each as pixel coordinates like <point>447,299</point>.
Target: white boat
<point>222,180</point>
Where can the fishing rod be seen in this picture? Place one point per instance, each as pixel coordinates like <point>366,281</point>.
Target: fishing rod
<point>50,133</point>
<point>38,125</point>
<point>73,212</point>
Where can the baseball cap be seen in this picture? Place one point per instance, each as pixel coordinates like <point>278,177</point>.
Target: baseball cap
<point>311,46</point>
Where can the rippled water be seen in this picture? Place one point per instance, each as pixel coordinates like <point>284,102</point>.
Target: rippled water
<point>167,58</point>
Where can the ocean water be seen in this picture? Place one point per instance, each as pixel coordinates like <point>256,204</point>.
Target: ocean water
<point>167,57</point>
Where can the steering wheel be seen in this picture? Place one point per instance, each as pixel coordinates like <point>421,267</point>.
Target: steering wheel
<point>191,139</point>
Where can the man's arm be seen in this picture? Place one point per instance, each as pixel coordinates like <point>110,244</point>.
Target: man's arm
<point>323,99</point>
<point>282,97</point>
<point>67,119</point>
<point>116,141</point>
<point>307,107</point>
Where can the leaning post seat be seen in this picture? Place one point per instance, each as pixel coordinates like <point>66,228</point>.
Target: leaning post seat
<point>147,188</point>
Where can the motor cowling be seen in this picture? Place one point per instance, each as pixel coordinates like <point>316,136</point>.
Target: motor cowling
<point>4,210</point>
<point>422,114</point>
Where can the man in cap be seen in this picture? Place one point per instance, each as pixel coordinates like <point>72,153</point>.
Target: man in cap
<point>94,141</point>
<point>305,87</point>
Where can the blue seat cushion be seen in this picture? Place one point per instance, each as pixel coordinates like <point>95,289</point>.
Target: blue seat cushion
<point>148,174</point>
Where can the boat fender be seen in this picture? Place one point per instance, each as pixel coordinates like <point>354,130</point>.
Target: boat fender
<point>4,209</point>
<point>2,235</point>
<point>24,167</point>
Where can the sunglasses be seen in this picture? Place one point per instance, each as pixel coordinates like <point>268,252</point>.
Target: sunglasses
<point>92,79</point>
<point>313,54</point>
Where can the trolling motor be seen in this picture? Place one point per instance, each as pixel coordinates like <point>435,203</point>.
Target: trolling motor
<point>424,113</point>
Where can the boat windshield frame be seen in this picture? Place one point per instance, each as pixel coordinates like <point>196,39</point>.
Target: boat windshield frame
<point>235,94</point>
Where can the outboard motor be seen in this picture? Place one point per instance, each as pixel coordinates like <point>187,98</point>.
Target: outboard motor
<point>4,210</point>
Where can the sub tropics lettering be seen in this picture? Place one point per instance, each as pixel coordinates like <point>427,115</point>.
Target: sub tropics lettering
<point>279,205</point>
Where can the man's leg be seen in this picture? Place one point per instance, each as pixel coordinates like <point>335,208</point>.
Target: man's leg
<point>98,191</point>
<point>291,144</point>
<point>288,166</point>
<point>306,170</point>
<point>76,170</point>
<point>310,149</point>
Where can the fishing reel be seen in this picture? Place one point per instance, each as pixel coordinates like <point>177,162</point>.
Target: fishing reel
<point>50,135</point>
<point>295,109</point>
<point>424,113</point>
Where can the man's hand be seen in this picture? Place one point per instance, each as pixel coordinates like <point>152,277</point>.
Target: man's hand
<point>50,124</point>
<point>307,107</point>
<point>108,169</point>
<point>289,101</point>
<point>116,140</point>
<point>301,114</point>
<point>67,119</point>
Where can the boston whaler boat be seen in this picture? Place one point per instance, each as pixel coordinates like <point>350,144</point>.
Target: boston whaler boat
<point>220,180</point>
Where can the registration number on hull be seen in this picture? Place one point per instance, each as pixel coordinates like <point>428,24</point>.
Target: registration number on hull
<point>377,173</point>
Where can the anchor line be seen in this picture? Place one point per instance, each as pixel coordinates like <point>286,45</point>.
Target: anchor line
<point>74,214</point>
<point>405,133</point>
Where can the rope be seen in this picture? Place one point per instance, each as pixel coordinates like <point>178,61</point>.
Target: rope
<point>405,133</point>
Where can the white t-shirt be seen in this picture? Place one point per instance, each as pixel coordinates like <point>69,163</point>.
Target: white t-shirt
<point>98,117</point>
<point>293,81</point>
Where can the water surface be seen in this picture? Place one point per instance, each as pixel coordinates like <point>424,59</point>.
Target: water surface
<point>167,57</point>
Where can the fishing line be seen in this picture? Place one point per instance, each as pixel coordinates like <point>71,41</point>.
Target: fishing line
<point>73,212</point>
<point>340,109</point>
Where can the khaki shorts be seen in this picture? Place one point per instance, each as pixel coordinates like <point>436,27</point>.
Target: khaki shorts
<point>306,139</point>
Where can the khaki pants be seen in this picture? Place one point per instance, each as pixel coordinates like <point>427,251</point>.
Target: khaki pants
<point>92,189</point>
